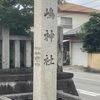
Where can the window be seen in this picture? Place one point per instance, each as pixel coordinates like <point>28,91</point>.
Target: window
<point>66,22</point>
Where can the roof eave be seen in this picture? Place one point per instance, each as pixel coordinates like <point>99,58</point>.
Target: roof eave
<point>64,11</point>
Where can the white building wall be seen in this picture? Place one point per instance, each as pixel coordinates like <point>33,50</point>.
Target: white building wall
<point>78,57</point>
<point>77,19</point>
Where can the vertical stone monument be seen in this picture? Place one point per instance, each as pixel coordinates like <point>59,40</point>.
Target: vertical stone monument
<point>17,54</point>
<point>60,49</point>
<point>45,50</point>
<point>5,48</point>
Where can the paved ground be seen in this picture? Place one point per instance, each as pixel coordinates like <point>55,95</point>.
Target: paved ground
<point>86,80</point>
<point>80,69</point>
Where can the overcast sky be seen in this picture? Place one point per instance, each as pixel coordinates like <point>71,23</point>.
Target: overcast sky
<point>89,3</point>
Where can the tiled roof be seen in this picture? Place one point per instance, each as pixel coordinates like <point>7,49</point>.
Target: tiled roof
<point>69,7</point>
<point>73,31</point>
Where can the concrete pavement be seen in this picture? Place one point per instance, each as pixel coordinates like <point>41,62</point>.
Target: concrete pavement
<point>87,83</point>
<point>80,69</point>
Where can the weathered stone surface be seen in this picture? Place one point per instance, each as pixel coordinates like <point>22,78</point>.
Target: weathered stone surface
<point>21,96</point>
<point>65,96</point>
<point>45,49</point>
<point>64,75</point>
<point>16,81</point>
<point>67,86</point>
<point>28,54</point>
<point>60,50</point>
<point>16,78</point>
<point>5,48</point>
<point>4,98</point>
<point>16,71</point>
<point>17,54</point>
<point>16,87</point>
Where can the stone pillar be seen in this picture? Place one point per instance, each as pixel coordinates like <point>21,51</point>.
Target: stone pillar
<point>17,53</point>
<point>28,53</point>
<point>5,48</point>
<point>70,51</point>
<point>60,49</point>
<point>45,50</point>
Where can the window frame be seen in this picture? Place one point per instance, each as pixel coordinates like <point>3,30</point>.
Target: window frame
<point>68,26</point>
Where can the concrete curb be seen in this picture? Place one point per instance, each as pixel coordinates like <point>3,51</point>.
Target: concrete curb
<point>80,69</point>
<point>65,96</point>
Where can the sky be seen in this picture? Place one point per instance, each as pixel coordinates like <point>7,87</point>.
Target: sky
<point>88,3</point>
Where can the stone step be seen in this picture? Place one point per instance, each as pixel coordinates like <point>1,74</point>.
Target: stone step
<point>14,78</point>
<point>64,75</point>
<point>20,96</point>
<point>67,86</point>
<point>16,71</point>
<point>4,98</point>
<point>16,87</point>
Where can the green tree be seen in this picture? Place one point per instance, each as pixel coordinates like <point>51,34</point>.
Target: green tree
<point>17,15</point>
<point>61,1</point>
<point>90,34</point>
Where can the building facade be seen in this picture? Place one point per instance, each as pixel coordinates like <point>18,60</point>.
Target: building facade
<point>71,17</point>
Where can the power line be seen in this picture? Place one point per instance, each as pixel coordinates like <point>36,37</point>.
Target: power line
<point>93,4</point>
<point>83,4</point>
<point>90,2</point>
<point>88,8</point>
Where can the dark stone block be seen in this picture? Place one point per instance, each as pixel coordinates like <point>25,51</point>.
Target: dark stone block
<point>20,87</point>
<point>16,71</point>
<point>66,96</point>
<point>4,98</point>
<point>23,87</point>
<point>67,86</point>
<point>64,75</point>
<point>25,96</point>
<point>5,89</point>
<point>14,78</point>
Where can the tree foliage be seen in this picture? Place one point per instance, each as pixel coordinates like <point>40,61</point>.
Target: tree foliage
<point>17,15</point>
<point>61,1</point>
<point>90,33</point>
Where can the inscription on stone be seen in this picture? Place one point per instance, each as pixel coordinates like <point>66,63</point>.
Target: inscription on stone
<point>49,60</point>
<point>37,56</point>
<point>49,13</point>
<point>49,35</point>
<point>45,53</point>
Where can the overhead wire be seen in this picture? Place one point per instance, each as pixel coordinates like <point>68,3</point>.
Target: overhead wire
<point>89,8</point>
<point>84,4</point>
<point>89,2</point>
<point>93,6</point>
<point>94,1</point>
